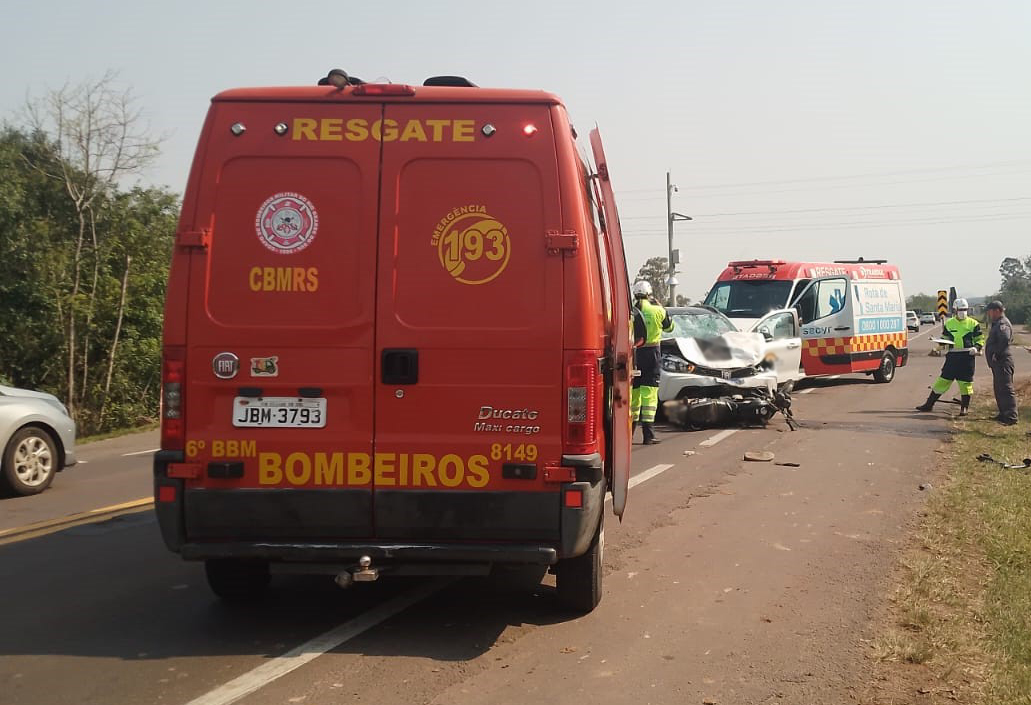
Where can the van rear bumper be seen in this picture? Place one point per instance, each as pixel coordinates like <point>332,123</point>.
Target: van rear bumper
<point>295,552</point>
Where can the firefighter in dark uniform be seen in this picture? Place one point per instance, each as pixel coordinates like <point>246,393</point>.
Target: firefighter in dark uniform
<point>644,397</point>
<point>1000,359</point>
<point>967,342</point>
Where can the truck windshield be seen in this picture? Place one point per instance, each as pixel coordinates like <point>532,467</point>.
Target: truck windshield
<point>749,299</point>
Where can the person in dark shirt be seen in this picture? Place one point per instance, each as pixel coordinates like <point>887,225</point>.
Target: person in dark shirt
<point>1000,359</point>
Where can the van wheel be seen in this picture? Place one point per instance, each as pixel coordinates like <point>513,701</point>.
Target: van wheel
<point>236,580</point>
<point>578,580</point>
<point>29,462</point>
<point>885,372</point>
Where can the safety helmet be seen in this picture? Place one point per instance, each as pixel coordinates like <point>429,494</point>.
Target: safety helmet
<point>642,289</point>
<point>961,305</point>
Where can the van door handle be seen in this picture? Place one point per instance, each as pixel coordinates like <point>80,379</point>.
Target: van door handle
<point>399,366</point>
<point>792,346</point>
<point>843,328</point>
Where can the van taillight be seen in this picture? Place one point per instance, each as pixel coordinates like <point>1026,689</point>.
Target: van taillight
<point>581,428</point>
<point>173,378</point>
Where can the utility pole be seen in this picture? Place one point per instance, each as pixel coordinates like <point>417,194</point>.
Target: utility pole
<point>674,255</point>
<point>671,280</point>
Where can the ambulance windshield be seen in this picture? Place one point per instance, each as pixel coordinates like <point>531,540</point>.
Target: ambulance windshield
<point>749,299</point>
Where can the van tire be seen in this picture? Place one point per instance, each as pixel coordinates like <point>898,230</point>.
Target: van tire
<point>578,580</point>
<point>236,580</point>
<point>885,372</point>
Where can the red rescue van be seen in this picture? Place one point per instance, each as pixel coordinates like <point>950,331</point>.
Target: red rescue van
<point>397,340</point>
<point>853,312</point>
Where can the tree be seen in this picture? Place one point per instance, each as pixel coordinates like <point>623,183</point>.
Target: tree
<point>1015,292</point>
<point>122,342</point>
<point>655,271</point>
<point>98,136</point>
<point>925,303</point>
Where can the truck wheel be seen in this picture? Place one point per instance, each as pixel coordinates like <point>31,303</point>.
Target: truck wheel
<point>235,580</point>
<point>578,580</point>
<point>885,372</point>
<point>29,462</point>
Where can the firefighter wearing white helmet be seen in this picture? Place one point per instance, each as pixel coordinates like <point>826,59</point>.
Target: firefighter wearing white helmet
<point>967,338</point>
<point>644,398</point>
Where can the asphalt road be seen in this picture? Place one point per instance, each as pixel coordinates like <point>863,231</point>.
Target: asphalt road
<point>728,582</point>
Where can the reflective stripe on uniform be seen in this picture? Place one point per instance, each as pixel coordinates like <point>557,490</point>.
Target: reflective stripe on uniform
<point>649,403</point>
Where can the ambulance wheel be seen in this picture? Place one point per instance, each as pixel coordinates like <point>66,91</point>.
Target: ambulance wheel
<point>578,580</point>
<point>236,580</point>
<point>885,372</point>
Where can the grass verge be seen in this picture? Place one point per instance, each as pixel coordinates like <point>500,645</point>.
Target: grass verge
<point>963,608</point>
<point>83,440</point>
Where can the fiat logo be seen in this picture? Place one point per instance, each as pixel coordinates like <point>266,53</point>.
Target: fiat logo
<point>225,365</point>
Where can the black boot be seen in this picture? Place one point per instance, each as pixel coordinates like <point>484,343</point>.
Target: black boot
<point>964,405</point>
<point>649,435</point>
<point>929,404</point>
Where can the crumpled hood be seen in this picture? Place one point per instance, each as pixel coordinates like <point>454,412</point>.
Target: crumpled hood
<point>728,352</point>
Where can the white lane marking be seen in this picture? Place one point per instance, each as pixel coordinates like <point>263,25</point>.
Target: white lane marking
<point>710,442</point>
<point>242,686</point>
<point>648,474</point>
<point>808,391</point>
<point>141,452</point>
<point>643,477</point>
<point>921,335</point>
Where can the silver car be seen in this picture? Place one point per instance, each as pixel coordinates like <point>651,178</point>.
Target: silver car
<point>37,438</point>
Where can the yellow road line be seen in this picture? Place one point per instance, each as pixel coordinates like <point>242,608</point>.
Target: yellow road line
<point>50,526</point>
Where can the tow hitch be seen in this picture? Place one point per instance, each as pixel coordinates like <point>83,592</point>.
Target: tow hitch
<point>362,573</point>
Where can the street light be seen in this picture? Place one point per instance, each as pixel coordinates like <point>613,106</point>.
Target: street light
<point>672,217</point>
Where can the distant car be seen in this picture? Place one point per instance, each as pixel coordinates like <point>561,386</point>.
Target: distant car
<point>912,321</point>
<point>37,437</point>
<point>927,318</point>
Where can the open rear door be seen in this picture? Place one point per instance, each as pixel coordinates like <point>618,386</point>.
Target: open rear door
<point>620,335</point>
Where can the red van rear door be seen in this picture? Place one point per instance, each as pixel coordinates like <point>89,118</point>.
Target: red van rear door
<point>469,336</point>
<point>618,465</point>
<point>286,286</point>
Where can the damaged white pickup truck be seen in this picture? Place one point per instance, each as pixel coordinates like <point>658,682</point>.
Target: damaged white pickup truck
<point>713,374</point>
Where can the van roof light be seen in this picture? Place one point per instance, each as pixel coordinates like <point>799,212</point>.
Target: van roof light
<point>383,89</point>
<point>738,264</point>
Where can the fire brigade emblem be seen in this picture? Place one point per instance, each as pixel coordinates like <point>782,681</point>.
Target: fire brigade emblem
<point>473,246</point>
<point>286,223</point>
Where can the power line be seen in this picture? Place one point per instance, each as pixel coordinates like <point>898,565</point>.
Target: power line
<point>962,167</point>
<point>782,227</point>
<point>825,187</point>
<point>846,208</point>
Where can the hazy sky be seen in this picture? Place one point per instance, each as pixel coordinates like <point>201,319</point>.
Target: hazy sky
<point>802,130</point>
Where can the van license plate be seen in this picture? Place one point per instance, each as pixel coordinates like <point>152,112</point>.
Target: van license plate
<point>279,412</point>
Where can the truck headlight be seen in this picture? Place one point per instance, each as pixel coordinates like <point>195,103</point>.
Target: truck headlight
<point>672,363</point>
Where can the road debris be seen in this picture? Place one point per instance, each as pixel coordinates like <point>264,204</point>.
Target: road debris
<point>759,456</point>
<point>986,458</point>
<point>789,465</point>
<point>926,486</point>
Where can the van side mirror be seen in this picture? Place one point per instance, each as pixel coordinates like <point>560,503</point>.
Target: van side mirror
<point>766,334</point>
